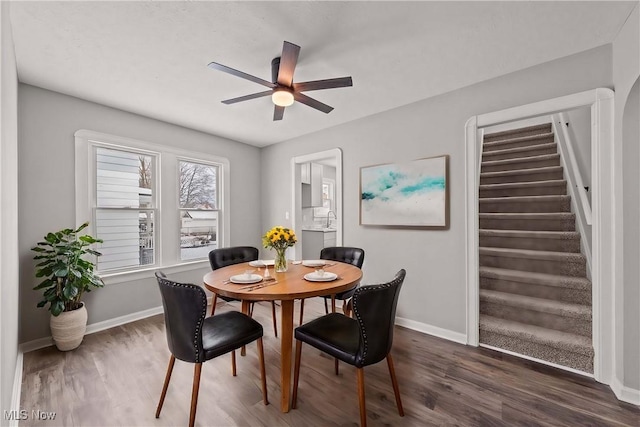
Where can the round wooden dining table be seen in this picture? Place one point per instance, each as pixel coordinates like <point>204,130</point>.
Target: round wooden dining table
<point>287,287</point>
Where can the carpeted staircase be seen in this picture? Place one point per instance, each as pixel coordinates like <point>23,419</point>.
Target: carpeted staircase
<point>535,298</point>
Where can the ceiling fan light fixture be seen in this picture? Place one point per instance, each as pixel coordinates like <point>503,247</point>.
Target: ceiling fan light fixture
<point>282,97</point>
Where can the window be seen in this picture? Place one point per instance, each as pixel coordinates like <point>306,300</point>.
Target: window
<point>198,205</point>
<point>328,199</point>
<point>124,208</point>
<point>154,206</point>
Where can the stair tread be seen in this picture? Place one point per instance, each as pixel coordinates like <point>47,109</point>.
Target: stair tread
<point>558,308</point>
<point>541,127</point>
<point>546,169</point>
<point>533,254</point>
<point>527,215</point>
<point>512,199</point>
<point>556,280</point>
<point>526,184</point>
<point>550,337</point>
<point>521,160</point>
<point>519,149</point>
<point>527,138</point>
<point>531,234</point>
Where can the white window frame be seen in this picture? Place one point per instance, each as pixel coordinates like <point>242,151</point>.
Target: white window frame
<point>166,182</point>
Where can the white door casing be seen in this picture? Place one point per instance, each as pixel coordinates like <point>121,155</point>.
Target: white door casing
<point>603,209</point>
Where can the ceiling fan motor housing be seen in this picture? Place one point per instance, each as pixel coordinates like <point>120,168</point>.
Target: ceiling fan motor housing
<point>275,67</point>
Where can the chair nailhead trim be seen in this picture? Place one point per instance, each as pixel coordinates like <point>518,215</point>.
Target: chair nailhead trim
<point>358,291</point>
<point>198,332</point>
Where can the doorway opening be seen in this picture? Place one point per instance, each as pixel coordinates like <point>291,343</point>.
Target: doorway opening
<point>317,199</point>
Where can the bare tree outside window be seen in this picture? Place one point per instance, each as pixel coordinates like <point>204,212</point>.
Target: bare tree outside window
<point>197,186</point>
<point>145,171</point>
<point>198,209</point>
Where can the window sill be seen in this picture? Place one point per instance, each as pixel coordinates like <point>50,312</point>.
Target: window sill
<point>148,273</point>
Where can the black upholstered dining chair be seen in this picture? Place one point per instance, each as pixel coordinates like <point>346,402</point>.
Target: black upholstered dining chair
<point>360,342</point>
<point>349,255</point>
<point>223,257</point>
<point>192,337</point>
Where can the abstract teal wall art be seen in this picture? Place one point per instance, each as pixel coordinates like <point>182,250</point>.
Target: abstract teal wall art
<point>405,194</point>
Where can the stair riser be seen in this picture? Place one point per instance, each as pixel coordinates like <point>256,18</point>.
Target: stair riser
<point>547,190</point>
<point>537,318</point>
<point>566,267</point>
<point>556,293</point>
<point>534,243</point>
<point>517,133</point>
<point>528,224</point>
<point>573,360</point>
<point>530,164</point>
<point>487,148</point>
<point>542,206</point>
<point>527,177</point>
<point>491,156</point>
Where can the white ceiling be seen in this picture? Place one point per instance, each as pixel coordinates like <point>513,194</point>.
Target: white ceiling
<point>151,58</point>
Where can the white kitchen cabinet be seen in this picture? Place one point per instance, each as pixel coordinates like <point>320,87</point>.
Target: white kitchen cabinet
<point>314,240</point>
<point>312,191</point>
<point>305,173</point>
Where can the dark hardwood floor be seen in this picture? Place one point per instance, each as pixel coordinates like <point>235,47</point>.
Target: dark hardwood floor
<point>115,377</point>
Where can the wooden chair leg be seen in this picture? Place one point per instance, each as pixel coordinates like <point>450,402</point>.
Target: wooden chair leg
<point>394,382</point>
<point>337,364</point>
<point>346,307</point>
<point>326,308</point>
<point>363,408</point>
<point>273,315</point>
<point>263,375</point>
<point>301,311</point>
<point>167,378</point>
<point>233,363</point>
<point>296,374</point>
<point>213,303</point>
<point>194,393</point>
<point>333,303</point>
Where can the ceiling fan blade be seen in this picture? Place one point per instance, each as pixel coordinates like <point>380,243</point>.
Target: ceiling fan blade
<point>288,62</point>
<point>312,102</point>
<point>240,74</point>
<point>323,84</point>
<point>278,113</point>
<point>247,97</point>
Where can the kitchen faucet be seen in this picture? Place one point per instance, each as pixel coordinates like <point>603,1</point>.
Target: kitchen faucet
<point>329,218</point>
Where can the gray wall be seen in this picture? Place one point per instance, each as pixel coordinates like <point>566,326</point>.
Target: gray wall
<point>435,290</point>
<point>47,122</point>
<point>9,288</point>
<point>626,69</point>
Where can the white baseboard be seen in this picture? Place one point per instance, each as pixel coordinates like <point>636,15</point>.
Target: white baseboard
<point>17,389</point>
<point>626,394</point>
<point>432,330</point>
<point>94,327</point>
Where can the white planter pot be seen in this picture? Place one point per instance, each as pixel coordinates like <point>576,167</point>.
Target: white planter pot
<point>68,328</point>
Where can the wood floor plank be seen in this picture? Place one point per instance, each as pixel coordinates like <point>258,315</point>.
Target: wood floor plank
<point>115,378</point>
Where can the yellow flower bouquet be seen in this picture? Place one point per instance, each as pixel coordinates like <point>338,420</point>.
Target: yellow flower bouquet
<point>279,238</point>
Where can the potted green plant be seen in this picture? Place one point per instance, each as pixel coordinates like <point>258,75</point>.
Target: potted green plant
<point>68,274</point>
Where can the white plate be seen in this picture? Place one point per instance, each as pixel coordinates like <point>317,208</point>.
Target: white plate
<point>315,277</point>
<point>261,262</point>
<point>314,263</point>
<point>246,278</point>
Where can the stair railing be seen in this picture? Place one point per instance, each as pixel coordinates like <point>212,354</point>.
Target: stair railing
<point>577,189</point>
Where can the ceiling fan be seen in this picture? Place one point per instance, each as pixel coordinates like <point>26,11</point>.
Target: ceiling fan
<point>282,89</point>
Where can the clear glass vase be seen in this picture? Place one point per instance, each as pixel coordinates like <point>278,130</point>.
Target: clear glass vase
<point>280,262</point>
